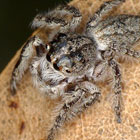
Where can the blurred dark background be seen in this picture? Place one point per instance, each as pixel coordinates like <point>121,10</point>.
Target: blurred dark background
<point>15,19</point>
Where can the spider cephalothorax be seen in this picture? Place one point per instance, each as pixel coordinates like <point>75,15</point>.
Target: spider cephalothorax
<point>72,54</point>
<point>68,64</point>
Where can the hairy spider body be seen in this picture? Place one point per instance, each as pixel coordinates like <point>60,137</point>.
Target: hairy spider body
<point>65,63</point>
<point>116,32</point>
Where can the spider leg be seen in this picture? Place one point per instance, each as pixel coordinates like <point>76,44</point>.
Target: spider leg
<point>117,88</point>
<point>103,10</point>
<point>22,64</point>
<point>76,18</point>
<point>81,97</point>
<point>130,52</point>
<point>65,16</point>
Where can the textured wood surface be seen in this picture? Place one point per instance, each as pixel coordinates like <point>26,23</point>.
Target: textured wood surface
<point>28,115</point>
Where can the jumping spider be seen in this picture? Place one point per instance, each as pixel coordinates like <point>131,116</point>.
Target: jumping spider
<point>64,63</point>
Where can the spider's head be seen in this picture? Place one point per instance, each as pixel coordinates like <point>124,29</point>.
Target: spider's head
<point>71,54</point>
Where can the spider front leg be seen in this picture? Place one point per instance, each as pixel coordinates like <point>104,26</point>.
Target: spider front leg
<point>117,88</point>
<point>22,64</point>
<point>103,10</point>
<point>76,15</point>
<point>77,99</point>
<point>65,16</point>
<point>130,52</point>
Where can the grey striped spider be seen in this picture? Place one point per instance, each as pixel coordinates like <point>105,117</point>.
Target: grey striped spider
<point>65,63</point>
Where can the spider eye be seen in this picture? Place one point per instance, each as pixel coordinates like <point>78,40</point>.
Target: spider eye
<point>55,66</point>
<point>47,47</point>
<point>68,71</point>
<point>62,35</point>
<point>65,64</point>
<point>48,57</point>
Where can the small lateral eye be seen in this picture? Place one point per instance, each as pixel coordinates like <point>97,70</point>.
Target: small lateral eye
<point>62,35</point>
<point>55,66</point>
<point>47,46</point>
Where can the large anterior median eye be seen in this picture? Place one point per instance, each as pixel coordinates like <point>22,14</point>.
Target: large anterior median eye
<point>65,64</point>
<point>68,71</point>
<point>48,57</point>
<point>56,67</point>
